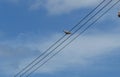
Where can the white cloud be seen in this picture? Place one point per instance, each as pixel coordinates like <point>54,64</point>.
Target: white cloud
<point>63,6</point>
<point>56,6</point>
<point>36,5</point>
<point>76,54</point>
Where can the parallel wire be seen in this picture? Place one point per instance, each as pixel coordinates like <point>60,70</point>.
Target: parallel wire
<point>66,39</point>
<point>73,39</point>
<point>58,40</point>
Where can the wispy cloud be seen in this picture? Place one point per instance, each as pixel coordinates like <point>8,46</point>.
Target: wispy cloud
<point>63,6</point>
<point>56,6</point>
<point>66,6</point>
<point>15,54</point>
<point>78,53</point>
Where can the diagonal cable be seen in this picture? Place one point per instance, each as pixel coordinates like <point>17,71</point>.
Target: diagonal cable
<point>66,39</point>
<point>74,38</point>
<point>58,40</point>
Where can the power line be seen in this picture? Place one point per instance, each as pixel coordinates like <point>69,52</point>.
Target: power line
<point>67,38</point>
<point>74,38</point>
<point>58,40</point>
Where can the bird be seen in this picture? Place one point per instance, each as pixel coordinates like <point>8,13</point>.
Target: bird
<point>67,32</point>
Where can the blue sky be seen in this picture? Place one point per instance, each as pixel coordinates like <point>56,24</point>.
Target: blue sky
<point>28,27</point>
